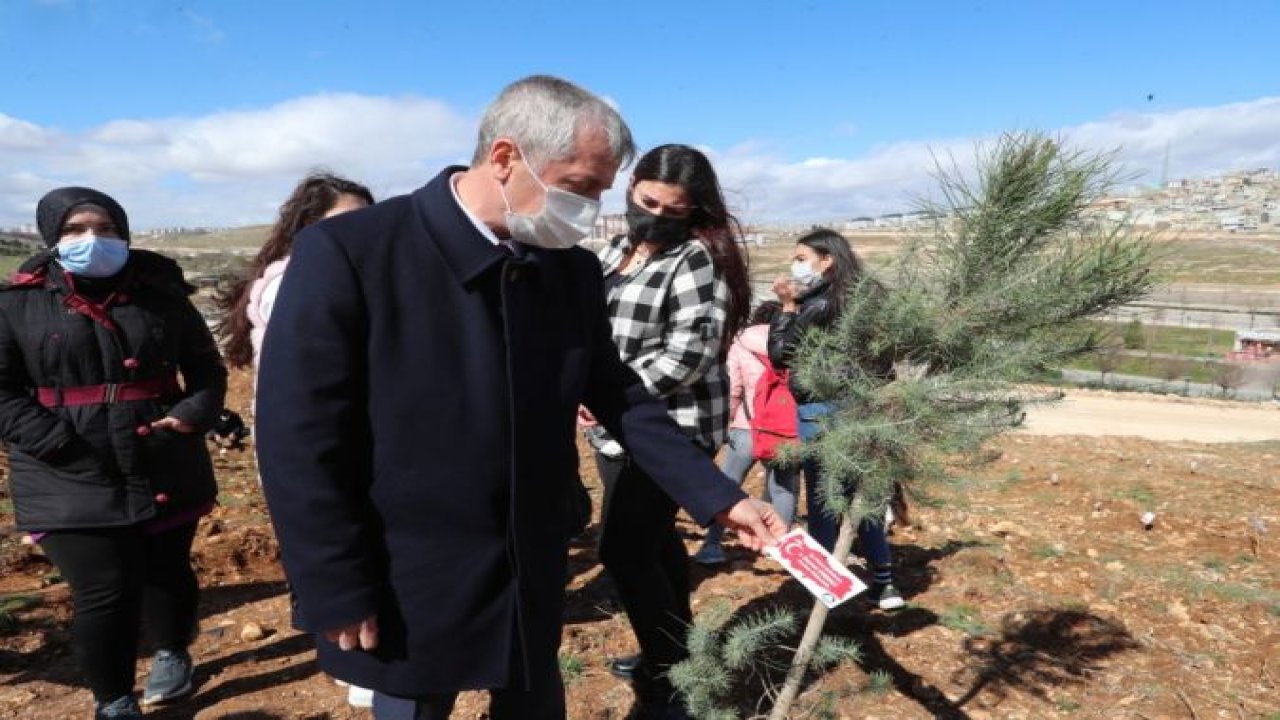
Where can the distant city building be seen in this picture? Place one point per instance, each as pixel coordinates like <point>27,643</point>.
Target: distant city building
<point>1241,201</point>
<point>1255,345</point>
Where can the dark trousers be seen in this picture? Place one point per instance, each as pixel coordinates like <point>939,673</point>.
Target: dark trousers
<point>647,560</point>
<point>119,577</point>
<point>822,524</point>
<point>542,700</point>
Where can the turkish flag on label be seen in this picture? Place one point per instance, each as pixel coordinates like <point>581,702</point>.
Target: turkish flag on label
<point>802,556</point>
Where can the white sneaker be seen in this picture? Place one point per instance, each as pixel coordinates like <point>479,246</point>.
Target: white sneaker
<point>359,697</point>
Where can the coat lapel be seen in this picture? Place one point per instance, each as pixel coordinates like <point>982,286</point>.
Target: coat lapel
<point>466,252</point>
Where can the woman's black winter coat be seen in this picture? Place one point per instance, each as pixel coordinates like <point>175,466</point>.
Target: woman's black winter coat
<point>101,465</point>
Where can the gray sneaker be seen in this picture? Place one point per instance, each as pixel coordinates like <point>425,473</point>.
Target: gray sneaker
<point>888,597</point>
<point>123,707</point>
<point>170,677</point>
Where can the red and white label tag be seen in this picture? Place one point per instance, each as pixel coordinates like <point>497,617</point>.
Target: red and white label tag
<point>815,568</point>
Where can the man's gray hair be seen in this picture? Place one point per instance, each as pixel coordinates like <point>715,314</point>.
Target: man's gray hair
<point>544,115</point>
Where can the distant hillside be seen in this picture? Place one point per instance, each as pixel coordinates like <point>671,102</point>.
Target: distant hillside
<point>239,240</point>
<point>19,244</point>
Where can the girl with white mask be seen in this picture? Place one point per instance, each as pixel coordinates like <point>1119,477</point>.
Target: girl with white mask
<point>823,268</point>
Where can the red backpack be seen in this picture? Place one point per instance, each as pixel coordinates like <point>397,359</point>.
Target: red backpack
<point>771,412</point>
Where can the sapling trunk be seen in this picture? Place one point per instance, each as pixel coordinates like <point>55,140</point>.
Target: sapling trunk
<point>812,631</point>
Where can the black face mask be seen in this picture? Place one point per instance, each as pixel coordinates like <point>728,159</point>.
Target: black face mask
<point>645,225</point>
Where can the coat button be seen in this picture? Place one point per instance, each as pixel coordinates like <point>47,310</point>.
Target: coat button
<point>143,430</point>
<point>161,498</point>
<point>131,363</point>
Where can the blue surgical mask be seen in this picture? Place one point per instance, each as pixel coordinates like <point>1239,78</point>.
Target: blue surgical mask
<point>92,256</point>
<point>802,273</point>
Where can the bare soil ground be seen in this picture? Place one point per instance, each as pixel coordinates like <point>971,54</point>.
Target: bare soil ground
<point>1034,589</point>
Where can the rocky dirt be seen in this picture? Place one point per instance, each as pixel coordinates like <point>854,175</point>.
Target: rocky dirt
<point>1034,591</point>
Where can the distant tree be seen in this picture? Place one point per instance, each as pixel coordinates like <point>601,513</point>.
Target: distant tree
<point>1108,358</point>
<point>1229,377</point>
<point>1009,285</point>
<point>1172,368</point>
<point>1133,337</point>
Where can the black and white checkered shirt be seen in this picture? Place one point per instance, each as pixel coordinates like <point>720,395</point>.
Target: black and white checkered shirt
<point>668,323</point>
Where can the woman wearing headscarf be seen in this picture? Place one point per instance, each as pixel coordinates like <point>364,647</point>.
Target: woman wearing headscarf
<point>109,377</point>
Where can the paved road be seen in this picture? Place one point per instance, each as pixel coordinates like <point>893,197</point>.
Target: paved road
<point>1099,413</point>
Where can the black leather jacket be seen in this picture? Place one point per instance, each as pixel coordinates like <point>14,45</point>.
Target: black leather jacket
<point>817,309</point>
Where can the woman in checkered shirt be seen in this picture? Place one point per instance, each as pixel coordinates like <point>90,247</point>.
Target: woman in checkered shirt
<point>678,292</point>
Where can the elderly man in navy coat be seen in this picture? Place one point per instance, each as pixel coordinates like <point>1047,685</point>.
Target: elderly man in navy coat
<point>416,412</point>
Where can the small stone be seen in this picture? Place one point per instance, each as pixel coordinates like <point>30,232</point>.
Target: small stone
<point>1178,612</point>
<point>1114,566</point>
<point>1091,553</point>
<point>251,632</point>
<point>1005,528</point>
<point>1053,479</point>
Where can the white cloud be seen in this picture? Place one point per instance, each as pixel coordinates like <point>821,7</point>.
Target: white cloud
<point>17,134</point>
<point>235,166</point>
<point>1198,142</point>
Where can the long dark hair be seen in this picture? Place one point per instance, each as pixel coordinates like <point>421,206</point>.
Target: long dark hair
<point>846,269</point>
<point>710,221</point>
<point>314,196</point>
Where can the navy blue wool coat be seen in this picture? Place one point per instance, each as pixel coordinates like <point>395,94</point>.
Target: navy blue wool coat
<point>416,436</point>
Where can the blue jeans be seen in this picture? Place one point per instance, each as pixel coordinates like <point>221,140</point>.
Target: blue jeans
<point>823,525</point>
<point>780,483</point>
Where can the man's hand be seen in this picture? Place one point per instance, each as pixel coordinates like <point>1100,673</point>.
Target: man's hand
<point>174,424</point>
<point>363,635</point>
<point>756,522</point>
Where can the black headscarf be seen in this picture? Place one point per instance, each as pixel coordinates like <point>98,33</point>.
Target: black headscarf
<point>57,204</point>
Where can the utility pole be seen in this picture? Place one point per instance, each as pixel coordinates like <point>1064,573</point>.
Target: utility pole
<point>1164,169</point>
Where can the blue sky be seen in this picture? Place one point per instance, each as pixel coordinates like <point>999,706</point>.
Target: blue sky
<point>204,112</point>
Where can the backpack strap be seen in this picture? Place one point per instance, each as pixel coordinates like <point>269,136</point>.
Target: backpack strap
<point>768,366</point>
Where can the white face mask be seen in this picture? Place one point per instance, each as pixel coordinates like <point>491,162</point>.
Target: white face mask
<point>802,273</point>
<point>565,218</point>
